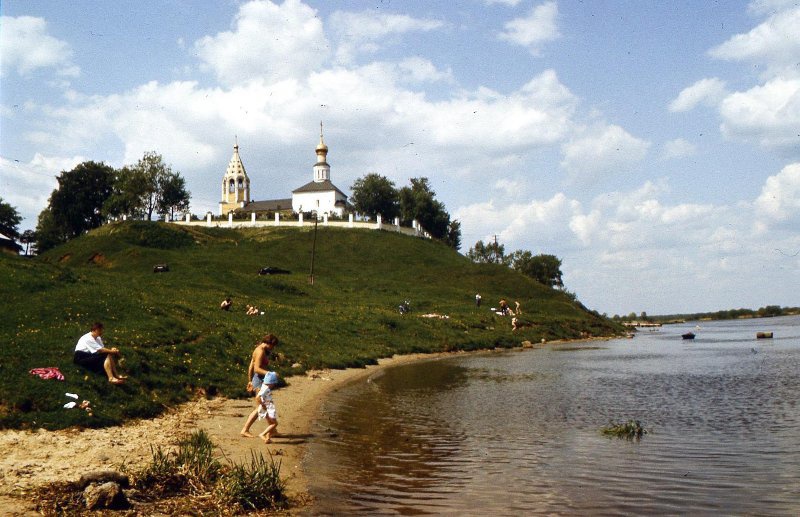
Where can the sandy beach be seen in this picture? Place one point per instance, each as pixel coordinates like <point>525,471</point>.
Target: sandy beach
<point>32,458</point>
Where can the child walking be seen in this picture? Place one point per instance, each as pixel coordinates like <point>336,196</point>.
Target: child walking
<point>266,407</point>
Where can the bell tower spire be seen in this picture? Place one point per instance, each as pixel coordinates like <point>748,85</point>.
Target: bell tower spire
<point>322,171</point>
<point>235,183</point>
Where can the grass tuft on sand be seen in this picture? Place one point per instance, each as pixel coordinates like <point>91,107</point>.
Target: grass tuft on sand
<point>187,481</point>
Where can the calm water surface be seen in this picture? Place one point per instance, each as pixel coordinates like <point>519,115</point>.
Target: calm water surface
<point>518,432</point>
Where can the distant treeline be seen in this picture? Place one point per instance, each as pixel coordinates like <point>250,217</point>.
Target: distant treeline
<point>730,314</point>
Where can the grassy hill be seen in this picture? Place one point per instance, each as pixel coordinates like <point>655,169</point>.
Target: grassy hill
<point>177,343</point>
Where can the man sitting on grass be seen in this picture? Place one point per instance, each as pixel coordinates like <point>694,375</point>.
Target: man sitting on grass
<point>91,353</point>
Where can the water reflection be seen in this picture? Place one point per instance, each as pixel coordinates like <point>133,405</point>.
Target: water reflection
<point>518,432</point>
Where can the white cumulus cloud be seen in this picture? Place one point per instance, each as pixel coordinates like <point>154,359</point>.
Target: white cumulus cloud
<point>678,148</point>
<point>639,234</point>
<point>768,114</point>
<point>417,69</point>
<point>520,225</point>
<point>706,91</point>
<point>769,6</point>
<point>366,32</point>
<point>780,195</point>
<point>540,113</point>
<point>26,46</point>
<point>511,3</point>
<point>604,150</point>
<point>268,42</point>
<point>775,42</point>
<point>538,27</point>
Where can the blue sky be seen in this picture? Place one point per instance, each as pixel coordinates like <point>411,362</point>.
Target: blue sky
<point>653,146</point>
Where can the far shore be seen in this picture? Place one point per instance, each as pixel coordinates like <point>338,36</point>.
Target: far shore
<point>29,459</point>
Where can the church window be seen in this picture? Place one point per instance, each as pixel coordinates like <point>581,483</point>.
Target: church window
<point>231,187</point>
<point>240,183</point>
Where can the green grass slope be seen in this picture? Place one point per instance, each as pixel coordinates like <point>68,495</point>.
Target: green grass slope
<point>177,343</point>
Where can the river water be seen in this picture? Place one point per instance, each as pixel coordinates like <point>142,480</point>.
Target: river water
<point>519,432</point>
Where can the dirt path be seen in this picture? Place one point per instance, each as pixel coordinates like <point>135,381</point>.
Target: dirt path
<point>29,459</point>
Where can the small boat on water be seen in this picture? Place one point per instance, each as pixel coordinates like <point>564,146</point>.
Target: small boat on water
<point>763,335</point>
<point>688,335</point>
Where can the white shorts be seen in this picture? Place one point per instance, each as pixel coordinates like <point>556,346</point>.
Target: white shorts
<point>269,412</point>
<point>272,412</point>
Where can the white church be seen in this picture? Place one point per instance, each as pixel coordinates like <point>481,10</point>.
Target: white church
<point>319,195</point>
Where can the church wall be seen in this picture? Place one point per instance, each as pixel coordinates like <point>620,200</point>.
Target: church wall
<point>322,202</point>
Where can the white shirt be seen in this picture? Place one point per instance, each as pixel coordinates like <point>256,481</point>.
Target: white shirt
<point>89,343</point>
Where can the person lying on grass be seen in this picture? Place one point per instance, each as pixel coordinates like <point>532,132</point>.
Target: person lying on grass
<point>266,407</point>
<point>92,354</point>
<point>256,371</point>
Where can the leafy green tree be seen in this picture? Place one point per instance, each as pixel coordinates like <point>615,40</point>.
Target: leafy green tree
<point>172,194</point>
<point>150,186</point>
<point>127,194</point>
<point>76,205</point>
<point>375,194</point>
<point>9,220</point>
<point>151,170</point>
<point>770,310</point>
<point>490,253</point>
<point>419,202</point>
<point>453,238</point>
<point>49,234</point>
<point>546,269</point>
<point>27,238</point>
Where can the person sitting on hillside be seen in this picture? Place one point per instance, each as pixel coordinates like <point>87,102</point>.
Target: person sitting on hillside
<point>252,310</point>
<point>226,304</point>
<point>504,308</point>
<point>92,354</point>
<point>517,310</point>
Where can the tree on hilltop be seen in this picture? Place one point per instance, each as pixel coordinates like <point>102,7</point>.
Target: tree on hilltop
<point>27,238</point>
<point>9,220</point>
<point>375,194</point>
<point>172,195</point>
<point>126,195</point>
<point>453,237</point>
<point>489,253</point>
<point>418,202</point>
<point>147,187</point>
<point>75,206</point>
<point>546,269</point>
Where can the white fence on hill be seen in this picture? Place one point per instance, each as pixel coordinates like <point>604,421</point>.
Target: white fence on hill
<point>416,230</point>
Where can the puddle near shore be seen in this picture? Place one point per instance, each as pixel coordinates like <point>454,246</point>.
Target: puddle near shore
<point>519,432</point>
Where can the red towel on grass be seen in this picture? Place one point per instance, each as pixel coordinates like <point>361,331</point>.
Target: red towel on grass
<point>51,372</point>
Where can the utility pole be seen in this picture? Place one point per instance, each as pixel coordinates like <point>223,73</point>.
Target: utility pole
<point>496,249</point>
<point>313,250</point>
